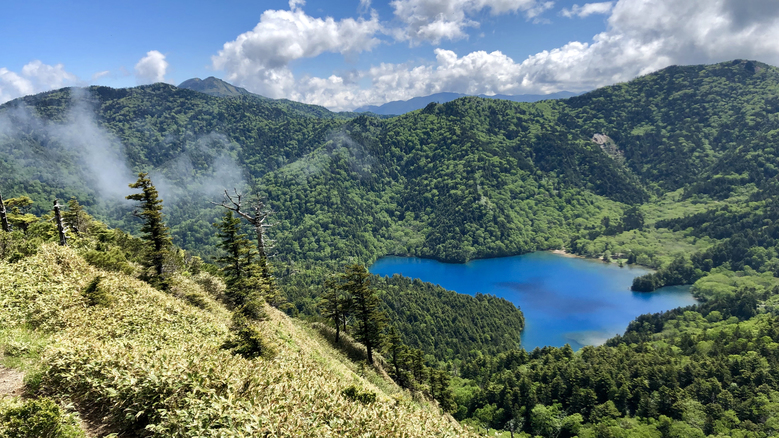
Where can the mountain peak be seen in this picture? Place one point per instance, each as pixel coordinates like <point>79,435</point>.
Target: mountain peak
<point>215,87</point>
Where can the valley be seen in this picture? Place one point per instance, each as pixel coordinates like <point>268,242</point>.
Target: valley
<point>465,199</point>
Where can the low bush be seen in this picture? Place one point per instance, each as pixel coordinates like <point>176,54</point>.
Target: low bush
<point>40,418</point>
<point>356,394</point>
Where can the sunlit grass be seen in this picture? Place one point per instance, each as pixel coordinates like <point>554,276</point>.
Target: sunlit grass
<point>152,361</point>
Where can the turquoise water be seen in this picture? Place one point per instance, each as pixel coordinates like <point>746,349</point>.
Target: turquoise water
<point>564,299</point>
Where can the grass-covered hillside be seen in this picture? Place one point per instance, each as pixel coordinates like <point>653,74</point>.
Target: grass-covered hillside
<point>149,363</point>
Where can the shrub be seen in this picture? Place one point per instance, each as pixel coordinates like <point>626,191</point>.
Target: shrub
<point>95,295</point>
<point>41,418</point>
<point>247,340</point>
<point>354,393</point>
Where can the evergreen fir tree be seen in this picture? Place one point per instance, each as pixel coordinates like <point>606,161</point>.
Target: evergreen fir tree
<point>75,218</point>
<point>397,355</point>
<point>154,229</point>
<point>335,305</point>
<point>236,247</point>
<point>370,320</point>
<point>242,275</point>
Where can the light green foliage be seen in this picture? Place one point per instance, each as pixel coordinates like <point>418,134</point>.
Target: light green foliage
<point>155,364</point>
<point>36,418</point>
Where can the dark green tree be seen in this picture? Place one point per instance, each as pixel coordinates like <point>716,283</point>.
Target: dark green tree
<point>236,249</point>
<point>260,223</point>
<point>19,216</point>
<point>154,229</point>
<point>75,218</point>
<point>633,219</point>
<point>335,305</point>
<point>398,353</point>
<point>441,391</point>
<point>370,320</point>
<point>242,275</point>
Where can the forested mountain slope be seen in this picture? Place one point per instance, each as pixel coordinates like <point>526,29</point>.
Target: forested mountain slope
<point>676,170</point>
<point>470,178</point>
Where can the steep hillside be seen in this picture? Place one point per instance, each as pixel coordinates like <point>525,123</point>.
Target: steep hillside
<point>152,363</point>
<point>685,124</point>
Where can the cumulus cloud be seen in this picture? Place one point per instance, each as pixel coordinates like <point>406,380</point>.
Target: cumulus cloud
<point>151,68</point>
<point>641,37</point>
<point>476,73</point>
<point>587,10</point>
<point>259,59</point>
<point>35,77</point>
<point>435,20</point>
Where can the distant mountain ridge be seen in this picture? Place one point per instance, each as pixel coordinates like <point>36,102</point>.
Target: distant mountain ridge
<point>219,88</point>
<point>398,107</point>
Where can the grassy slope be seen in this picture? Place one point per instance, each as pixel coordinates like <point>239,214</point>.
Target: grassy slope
<point>152,362</point>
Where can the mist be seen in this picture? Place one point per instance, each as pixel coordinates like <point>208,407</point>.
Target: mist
<point>205,169</point>
<point>47,151</point>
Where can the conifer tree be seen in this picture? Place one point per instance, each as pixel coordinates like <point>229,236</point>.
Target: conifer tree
<point>335,305</point>
<point>154,229</point>
<point>370,320</point>
<point>242,274</point>
<point>75,218</point>
<point>441,391</point>
<point>236,246</point>
<point>260,223</point>
<point>397,355</point>
<point>19,216</point>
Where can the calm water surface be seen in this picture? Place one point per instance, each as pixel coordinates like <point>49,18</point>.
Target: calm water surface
<point>564,299</point>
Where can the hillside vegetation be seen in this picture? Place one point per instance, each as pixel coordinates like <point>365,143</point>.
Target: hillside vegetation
<point>152,363</point>
<point>675,170</point>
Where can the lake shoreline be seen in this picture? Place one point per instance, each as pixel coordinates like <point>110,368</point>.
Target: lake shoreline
<point>565,253</point>
<point>565,298</point>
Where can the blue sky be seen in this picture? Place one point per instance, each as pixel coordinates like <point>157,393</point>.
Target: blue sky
<point>344,54</point>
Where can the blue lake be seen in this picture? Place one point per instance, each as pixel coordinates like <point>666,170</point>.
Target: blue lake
<point>565,300</point>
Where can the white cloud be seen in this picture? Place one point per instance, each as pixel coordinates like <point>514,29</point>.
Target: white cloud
<point>35,77</point>
<point>260,58</point>
<point>642,36</point>
<point>151,68</point>
<point>100,74</point>
<point>434,20</point>
<point>587,10</point>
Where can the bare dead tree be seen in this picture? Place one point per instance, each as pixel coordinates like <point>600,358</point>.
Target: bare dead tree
<point>260,223</point>
<point>3,216</point>
<point>60,227</point>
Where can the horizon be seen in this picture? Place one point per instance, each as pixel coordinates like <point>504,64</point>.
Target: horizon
<point>347,55</point>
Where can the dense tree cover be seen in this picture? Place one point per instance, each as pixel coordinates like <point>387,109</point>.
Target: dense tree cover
<point>692,372</point>
<point>444,324</point>
<point>748,238</point>
<point>477,178</point>
<point>685,124</point>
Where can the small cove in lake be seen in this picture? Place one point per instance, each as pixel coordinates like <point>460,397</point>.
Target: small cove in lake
<point>564,299</point>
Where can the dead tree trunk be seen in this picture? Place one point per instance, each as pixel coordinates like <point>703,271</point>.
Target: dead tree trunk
<point>4,216</point>
<point>60,226</point>
<point>258,221</point>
